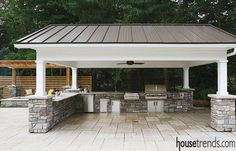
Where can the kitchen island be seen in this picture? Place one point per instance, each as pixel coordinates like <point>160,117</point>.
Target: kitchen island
<point>46,112</point>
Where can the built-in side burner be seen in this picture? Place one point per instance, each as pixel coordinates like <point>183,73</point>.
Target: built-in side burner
<point>131,96</point>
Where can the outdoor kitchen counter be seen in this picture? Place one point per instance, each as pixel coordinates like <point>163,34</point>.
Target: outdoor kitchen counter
<point>177,101</point>
<point>88,93</point>
<point>63,96</point>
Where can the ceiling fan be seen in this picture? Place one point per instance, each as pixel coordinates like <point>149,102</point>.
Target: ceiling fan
<point>130,63</point>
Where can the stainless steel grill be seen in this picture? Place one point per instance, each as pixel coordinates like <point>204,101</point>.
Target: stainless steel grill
<point>154,92</point>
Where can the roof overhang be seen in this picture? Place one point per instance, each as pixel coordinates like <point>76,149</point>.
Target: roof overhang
<point>87,46</point>
<point>152,55</point>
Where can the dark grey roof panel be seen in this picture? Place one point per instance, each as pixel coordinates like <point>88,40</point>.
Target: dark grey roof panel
<point>216,34</point>
<point>125,34</point>
<point>60,34</point>
<point>164,34</point>
<point>177,35</point>
<point>138,34</point>
<point>36,34</point>
<point>151,34</point>
<point>129,33</point>
<point>204,36</point>
<point>184,30</point>
<point>86,34</point>
<point>112,34</point>
<point>99,34</point>
<point>48,34</point>
<point>72,34</point>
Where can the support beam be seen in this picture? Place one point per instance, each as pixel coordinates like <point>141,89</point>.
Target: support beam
<point>40,78</point>
<point>74,78</point>
<point>222,77</point>
<point>68,76</point>
<point>13,76</point>
<point>186,77</point>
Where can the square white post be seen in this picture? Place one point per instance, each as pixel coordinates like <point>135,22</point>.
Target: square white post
<point>186,77</point>
<point>74,78</point>
<point>222,77</point>
<point>40,78</point>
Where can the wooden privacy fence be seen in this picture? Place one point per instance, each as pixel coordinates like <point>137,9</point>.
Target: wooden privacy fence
<point>29,82</point>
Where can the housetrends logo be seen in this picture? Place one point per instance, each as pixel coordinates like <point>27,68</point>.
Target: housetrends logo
<point>216,143</point>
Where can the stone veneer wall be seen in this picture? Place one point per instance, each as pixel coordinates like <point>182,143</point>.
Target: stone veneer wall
<point>178,101</point>
<point>14,91</point>
<point>44,113</point>
<point>110,96</point>
<point>63,109</point>
<point>14,102</point>
<point>134,105</point>
<point>125,105</point>
<point>223,114</point>
<point>40,115</point>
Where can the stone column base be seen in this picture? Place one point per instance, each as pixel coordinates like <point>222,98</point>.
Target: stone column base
<point>40,114</point>
<point>223,113</point>
<point>14,91</point>
<point>1,92</point>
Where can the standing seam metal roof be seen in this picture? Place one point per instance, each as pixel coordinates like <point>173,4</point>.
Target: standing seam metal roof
<point>130,33</point>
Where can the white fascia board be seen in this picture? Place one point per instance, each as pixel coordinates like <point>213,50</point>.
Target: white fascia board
<point>35,46</point>
<point>120,54</point>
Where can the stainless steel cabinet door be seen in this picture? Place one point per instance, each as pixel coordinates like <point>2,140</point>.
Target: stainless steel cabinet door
<point>151,106</point>
<point>103,105</point>
<point>88,103</point>
<point>115,106</point>
<point>160,106</point>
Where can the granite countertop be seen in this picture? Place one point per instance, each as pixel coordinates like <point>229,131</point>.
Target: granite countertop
<point>101,93</point>
<point>63,96</point>
<point>15,99</point>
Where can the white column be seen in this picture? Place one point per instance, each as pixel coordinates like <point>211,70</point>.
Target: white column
<point>222,77</point>
<point>186,77</point>
<point>40,78</point>
<point>74,78</point>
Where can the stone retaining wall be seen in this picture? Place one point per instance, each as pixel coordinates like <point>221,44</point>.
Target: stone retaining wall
<point>14,102</point>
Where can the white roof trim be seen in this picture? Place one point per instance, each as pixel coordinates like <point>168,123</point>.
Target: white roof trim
<point>230,46</point>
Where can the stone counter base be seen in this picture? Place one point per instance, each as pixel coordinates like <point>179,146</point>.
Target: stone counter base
<point>40,116</point>
<point>46,113</point>
<point>223,114</point>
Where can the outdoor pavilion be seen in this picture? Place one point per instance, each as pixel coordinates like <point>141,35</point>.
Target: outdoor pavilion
<point>155,45</point>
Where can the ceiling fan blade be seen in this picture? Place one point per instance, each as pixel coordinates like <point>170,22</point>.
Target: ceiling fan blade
<point>139,63</point>
<point>120,63</point>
